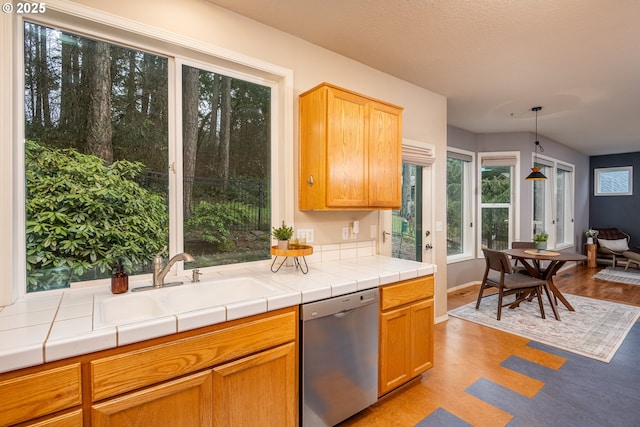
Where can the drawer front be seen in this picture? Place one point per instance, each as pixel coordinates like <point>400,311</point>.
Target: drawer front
<point>124,372</point>
<point>72,419</point>
<point>406,292</point>
<point>38,394</point>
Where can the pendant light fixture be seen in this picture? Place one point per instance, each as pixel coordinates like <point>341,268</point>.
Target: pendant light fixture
<point>535,174</point>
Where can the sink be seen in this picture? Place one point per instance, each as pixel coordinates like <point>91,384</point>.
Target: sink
<point>118,309</point>
<point>216,292</point>
<point>111,310</point>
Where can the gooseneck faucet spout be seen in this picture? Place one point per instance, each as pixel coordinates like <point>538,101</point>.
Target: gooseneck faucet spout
<point>160,271</point>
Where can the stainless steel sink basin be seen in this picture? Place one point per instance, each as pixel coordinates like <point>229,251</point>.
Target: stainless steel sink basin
<point>110,310</point>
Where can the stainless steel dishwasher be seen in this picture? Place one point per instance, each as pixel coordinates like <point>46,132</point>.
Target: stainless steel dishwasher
<point>339,360</point>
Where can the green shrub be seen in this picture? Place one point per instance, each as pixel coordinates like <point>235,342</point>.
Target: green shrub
<point>84,215</point>
<point>212,222</point>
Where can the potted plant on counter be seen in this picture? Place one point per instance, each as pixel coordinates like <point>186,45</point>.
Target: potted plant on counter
<point>282,234</point>
<point>540,240</point>
<point>591,234</point>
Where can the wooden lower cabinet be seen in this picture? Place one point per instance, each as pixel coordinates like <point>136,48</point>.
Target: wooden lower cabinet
<point>240,373</point>
<point>39,392</point>
<point>257,390</point>
<point>395,349</point>
<point>421,336</point>
<point>71,419</point>
<point>184,402</point>
<point>406,332</point>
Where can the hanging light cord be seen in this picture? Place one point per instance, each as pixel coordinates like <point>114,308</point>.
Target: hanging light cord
<point>538,146</point>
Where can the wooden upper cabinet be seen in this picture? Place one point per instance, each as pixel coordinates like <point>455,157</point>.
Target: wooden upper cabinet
<point>385,156</point>
<point>350,151</point>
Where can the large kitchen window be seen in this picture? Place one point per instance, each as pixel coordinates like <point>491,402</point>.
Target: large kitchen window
<point>497,200</point>
<point>129,151</point>
<point>460,165</point>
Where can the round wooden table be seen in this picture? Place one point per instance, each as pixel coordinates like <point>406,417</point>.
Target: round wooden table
<point>531,260</point>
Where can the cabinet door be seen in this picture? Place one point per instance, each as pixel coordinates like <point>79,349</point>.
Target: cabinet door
<point>40,393</point>
<point>258,390</point>
<point>347,150</point>
<point>395,349</point>
<point>71,419</point>
<point>385,156</point>
<point>422,336</point>
<point>184,402</point>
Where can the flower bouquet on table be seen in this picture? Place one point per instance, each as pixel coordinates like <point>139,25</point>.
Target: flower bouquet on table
<point>591,234</point>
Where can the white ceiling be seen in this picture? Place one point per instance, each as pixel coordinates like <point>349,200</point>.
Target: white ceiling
<point>492,59</point>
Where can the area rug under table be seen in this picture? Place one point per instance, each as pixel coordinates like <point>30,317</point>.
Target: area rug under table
<point>620,275</point>
<point>596,329</point>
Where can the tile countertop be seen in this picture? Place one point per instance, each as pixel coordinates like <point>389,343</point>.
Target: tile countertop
<point>38,329</point>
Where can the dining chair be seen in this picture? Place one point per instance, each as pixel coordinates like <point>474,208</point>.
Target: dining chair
<point>499,274</point>
<point>517,266</point>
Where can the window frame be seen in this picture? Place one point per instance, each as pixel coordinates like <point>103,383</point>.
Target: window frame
<point>598,172</point>
<point>550,209</point>
<point>99,25</point>
<point>514,215</point>
<point>469,201</point>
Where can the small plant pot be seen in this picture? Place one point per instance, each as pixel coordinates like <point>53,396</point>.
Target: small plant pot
<point>283,244</point>
<point>541,247</point>
<point>589,240</point>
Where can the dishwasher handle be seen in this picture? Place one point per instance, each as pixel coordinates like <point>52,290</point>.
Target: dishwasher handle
<point>344,313</point>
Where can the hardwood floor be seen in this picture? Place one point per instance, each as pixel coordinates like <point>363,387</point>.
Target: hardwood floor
<point>466,352</point>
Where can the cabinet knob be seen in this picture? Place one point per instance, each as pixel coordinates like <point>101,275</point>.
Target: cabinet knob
<point>310,180</point>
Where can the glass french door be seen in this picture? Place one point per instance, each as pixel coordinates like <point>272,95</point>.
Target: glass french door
<point>410,234</point>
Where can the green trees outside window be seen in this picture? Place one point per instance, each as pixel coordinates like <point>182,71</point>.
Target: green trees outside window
<point>100,185</point>
<point>496,206</point>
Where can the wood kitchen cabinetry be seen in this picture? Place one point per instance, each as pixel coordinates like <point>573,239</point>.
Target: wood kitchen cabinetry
<point>406,332</point>
<point>350,151</point>
<point>41,392</point>
<point>242,372</point>
<point>183,402</point>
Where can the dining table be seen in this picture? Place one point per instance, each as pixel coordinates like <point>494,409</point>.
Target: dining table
<point>544,265</point>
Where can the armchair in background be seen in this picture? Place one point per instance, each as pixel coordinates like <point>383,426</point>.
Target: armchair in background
<point>612,243</point>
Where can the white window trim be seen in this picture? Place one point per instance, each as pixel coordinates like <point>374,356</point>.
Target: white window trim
<point>596,180</point>
<point>551,191</point>
<point>82,19</point>
<point>469,251</point>
<point>514,216</point>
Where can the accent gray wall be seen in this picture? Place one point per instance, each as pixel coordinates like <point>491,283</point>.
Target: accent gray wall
<point>622,212</point>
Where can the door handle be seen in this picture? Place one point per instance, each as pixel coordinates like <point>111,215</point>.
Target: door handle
<point>384,236</point>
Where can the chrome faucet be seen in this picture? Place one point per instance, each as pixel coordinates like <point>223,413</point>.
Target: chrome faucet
<point>160,272</point>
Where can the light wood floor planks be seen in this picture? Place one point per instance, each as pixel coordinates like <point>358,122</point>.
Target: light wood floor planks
<point>465,352</point>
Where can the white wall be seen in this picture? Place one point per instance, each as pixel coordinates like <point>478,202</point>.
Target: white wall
<point>424,116</point>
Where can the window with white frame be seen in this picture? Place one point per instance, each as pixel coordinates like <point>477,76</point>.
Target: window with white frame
<point>497,199</point>
<point>564,231</point>
<point>460,236</point>
<point>616,181</point>
<point>130,151</point>
<point>553,202</point>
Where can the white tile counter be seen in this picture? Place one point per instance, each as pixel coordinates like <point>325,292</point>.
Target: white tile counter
<point>53,326</point>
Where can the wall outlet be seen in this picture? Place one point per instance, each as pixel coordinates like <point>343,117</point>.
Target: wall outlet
<point>305,233</point>
<point>345,232</point>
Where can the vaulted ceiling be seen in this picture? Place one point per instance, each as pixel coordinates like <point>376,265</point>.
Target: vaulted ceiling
<point>493,59</point>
